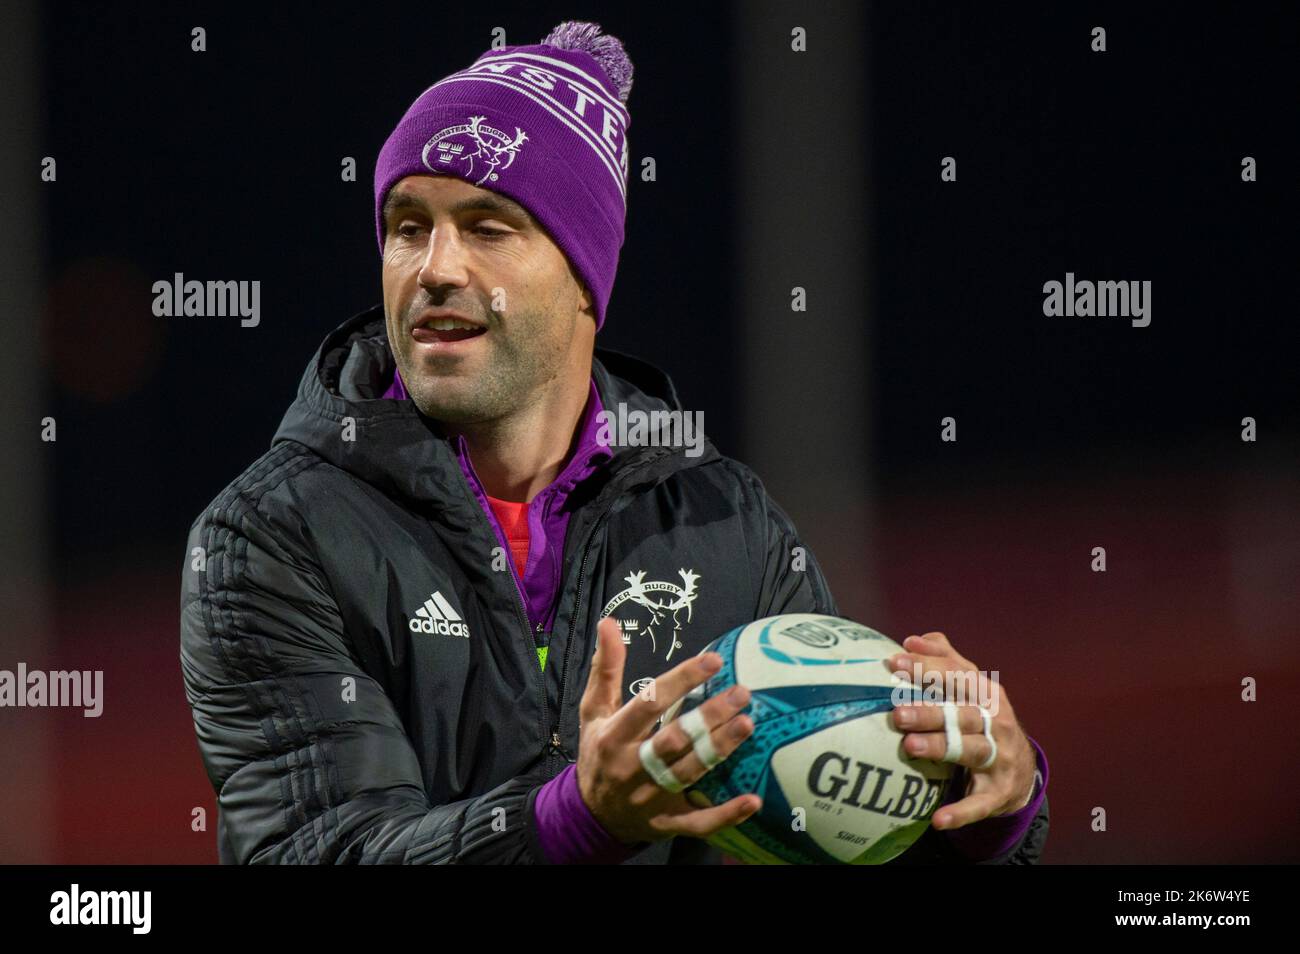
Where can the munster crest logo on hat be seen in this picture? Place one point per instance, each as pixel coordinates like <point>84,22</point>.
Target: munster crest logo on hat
<point>479,145</point>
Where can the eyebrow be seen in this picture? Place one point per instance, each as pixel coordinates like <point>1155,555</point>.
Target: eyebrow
<point>397,201</point>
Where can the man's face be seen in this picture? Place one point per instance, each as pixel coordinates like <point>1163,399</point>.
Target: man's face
<point>451,247</point>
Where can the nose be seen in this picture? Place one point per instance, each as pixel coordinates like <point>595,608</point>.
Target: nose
<point>444,259</point>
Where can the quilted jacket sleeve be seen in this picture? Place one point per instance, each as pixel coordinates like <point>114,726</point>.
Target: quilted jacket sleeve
<point>792,582</point>
<point>307,755</point>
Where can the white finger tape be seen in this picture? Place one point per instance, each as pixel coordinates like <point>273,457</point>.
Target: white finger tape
<point>988,734</point>
<point>693,724</point>
<point>656,769</point>
<point>952,733</point>
<point>701,740</point>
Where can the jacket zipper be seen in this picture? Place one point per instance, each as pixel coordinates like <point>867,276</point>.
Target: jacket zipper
<point>553,743</point>
<point>573,623</point>
<point>532,648</point>
<point>522,612</point>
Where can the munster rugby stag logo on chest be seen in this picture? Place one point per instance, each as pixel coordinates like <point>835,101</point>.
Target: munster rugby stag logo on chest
<point>657,618</point>
<point>484,149</point>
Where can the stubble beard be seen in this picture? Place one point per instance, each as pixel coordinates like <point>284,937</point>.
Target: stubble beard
<point>509,379</point>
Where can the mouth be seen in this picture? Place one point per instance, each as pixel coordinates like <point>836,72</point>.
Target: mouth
<point>445,328</point>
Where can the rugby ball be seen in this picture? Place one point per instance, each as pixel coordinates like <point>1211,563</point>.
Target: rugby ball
<point>825,757</point>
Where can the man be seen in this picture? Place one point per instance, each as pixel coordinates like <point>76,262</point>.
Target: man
<point>419,629</point>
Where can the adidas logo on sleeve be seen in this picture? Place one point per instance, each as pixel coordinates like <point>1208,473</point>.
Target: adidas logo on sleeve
<point>437,616</point>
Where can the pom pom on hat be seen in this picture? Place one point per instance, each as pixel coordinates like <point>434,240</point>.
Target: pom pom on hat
<point>604,49</point>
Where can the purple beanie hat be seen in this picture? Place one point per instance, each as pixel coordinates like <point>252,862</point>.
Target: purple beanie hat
<point>545,125</point>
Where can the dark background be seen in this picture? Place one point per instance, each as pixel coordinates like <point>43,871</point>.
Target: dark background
<point>1073,433</point>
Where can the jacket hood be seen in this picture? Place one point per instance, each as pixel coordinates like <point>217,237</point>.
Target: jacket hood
<point>338,413</point>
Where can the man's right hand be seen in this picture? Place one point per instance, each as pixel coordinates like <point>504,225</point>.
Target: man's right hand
<point>613,783</point>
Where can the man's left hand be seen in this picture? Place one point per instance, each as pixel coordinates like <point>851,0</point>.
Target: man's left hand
<point>1005,786</point>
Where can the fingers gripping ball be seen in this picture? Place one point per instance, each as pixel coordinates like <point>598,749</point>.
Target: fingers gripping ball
<point>836,784</point>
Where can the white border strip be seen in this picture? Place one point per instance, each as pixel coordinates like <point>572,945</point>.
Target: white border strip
<point>598,91</point>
